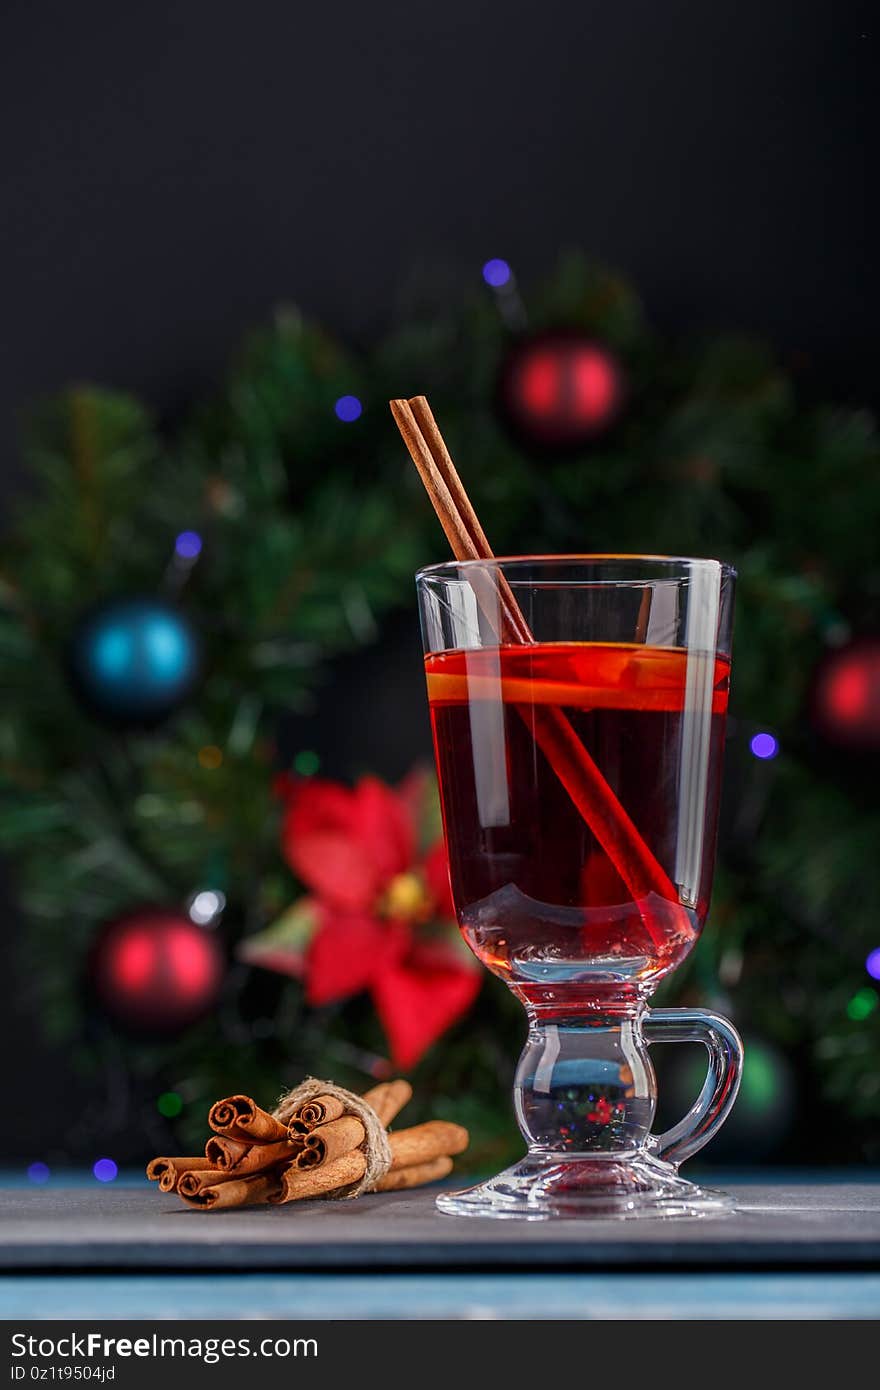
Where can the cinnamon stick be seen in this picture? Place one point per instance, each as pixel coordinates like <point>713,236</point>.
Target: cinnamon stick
<point>258,1159</point>
<point>239,1117</point>
<point>331,1141</point>
<point>415,1174</point>
<point>242,1192</point>
<point>166,1171</point>
<point>298,1184</point>
<point>388,1099</point>
<point>225,1153</point>
<point>255,1159</point>
<point>423,1143</point>
<point>579,774</point>
<point>319,1111</point>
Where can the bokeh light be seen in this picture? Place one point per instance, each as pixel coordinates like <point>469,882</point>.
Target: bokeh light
<point>38,1173</point>
<point>188,545</point>
<point>105,1170</point>
<point>862,1004</point>
<point>764,746</point>
<point>307,762</point>
<point>210,757</point>
<point>348,408</point>
<point>206,905</point>
<point>169,1104</point>
<point>872,963</point>
<point>496,273</point>
<point>847,695</point>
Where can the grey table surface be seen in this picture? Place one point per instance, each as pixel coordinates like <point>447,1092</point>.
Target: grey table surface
<point>132,1227</point>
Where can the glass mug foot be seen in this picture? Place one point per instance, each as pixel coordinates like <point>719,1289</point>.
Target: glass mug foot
<point>540,1187</point>
<point>584,1086</point>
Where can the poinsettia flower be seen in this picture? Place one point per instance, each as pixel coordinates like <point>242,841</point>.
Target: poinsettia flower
<point>378,911</point>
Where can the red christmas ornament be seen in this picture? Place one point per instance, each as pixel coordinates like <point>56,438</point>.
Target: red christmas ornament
<point>558,391</point>
<point>846,695</point>
<point>156,972</point>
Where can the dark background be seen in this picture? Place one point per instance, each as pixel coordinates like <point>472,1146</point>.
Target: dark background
<point>172,171</point>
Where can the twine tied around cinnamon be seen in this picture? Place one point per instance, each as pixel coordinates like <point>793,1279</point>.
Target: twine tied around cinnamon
<point>375,1146</point>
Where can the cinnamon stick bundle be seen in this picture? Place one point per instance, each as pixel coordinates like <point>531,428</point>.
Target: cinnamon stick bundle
<point>251,1157</point>
<point>239,1117</point>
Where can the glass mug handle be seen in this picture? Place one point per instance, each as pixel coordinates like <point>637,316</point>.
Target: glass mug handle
<point>711,1108</point>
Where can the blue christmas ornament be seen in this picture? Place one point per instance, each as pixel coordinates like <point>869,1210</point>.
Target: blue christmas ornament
<point>133,661</point>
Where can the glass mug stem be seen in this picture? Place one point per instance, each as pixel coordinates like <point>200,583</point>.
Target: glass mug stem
<point>585,1085</point>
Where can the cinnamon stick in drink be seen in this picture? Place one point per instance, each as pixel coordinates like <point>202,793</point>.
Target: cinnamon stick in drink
<point>331,1141</point>
<point>415,1175</point>
<point>299,1184</point>
<point>424,1143</point>
<point>243,1192</point>
<point>588,789</point>
<point>239,1117</point>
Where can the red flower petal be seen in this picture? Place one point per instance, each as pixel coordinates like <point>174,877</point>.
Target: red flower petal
<point>315,804</point>
<point>346,954</point>
<point>419,997</point>
<point>384,827</point>
<point>436,871</point>
<point>347,845</point>
<point>336,867</point>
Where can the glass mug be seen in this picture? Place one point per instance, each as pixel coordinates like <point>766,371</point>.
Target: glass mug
<point>578,707</point>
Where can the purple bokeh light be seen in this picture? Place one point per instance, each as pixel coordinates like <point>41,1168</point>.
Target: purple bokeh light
<point>872,963</point>
<point>764,746</point>
<point>188,545</point>
<point>38,1173</point>
<point>496,273</point>
<point>105,1170</point>
<point>348,408</point>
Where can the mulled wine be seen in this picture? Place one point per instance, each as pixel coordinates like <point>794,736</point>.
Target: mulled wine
<point>539,899</point>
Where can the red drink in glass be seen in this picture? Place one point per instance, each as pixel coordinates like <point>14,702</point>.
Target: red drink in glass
<point>538,899</point>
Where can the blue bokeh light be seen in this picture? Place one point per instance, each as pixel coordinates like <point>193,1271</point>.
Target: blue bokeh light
<point>105,1170</point>
<point>764,746</point>
<point>496,273</point>
<point>188,545</point>
<point>872,963</point>
<point>38,1173</point>
<point>348,408</point>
